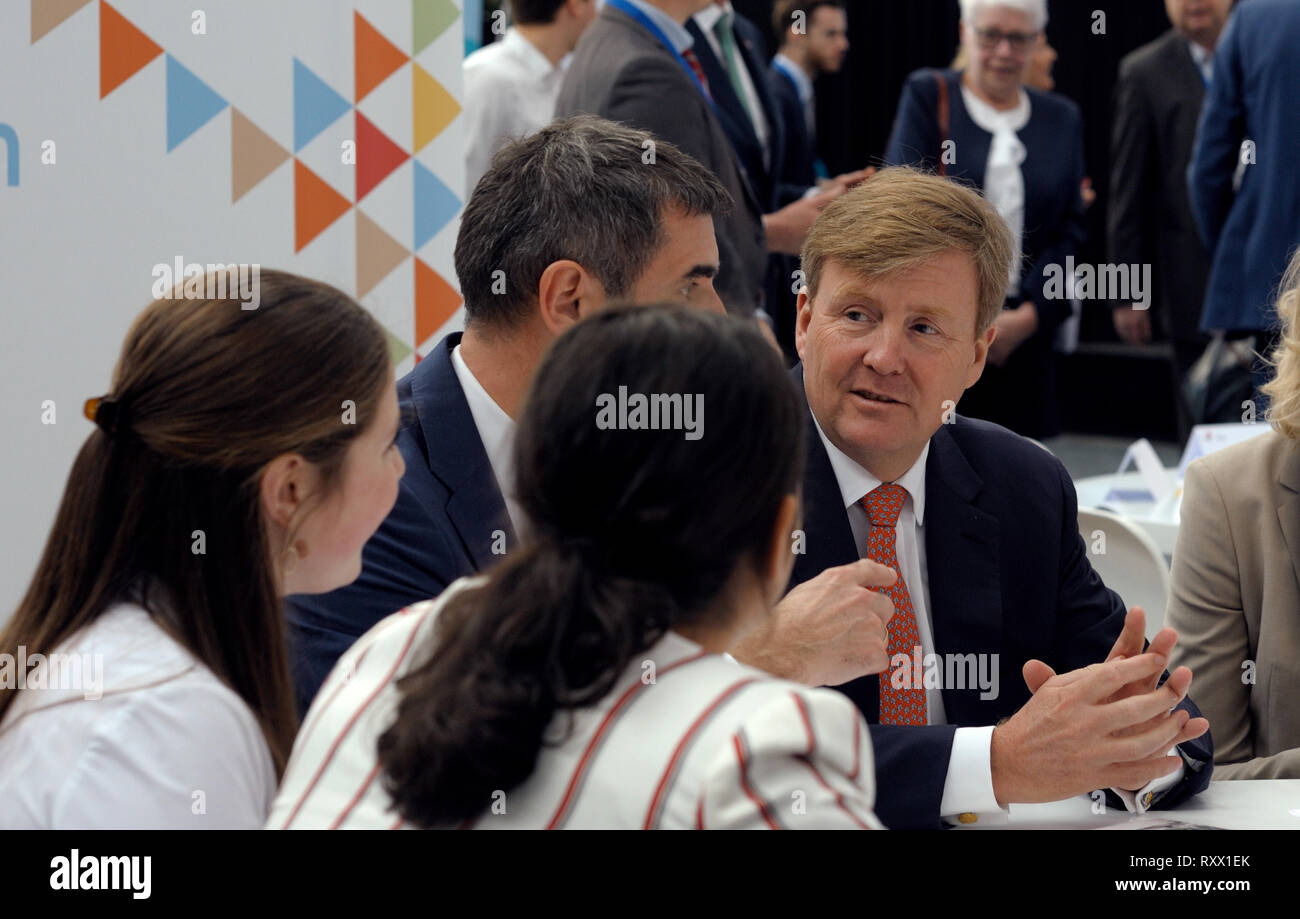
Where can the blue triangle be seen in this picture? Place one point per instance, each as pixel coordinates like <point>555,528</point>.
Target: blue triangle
<point>191,103</point>
<point>435,204</point>
<point>316,105</point>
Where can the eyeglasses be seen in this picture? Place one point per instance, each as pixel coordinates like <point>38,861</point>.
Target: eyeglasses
<point>1020,41</point>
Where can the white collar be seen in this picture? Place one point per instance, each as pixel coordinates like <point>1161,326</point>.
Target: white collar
<point>535,62</point>
<point>496,430</point>
<point>708,17</point>
<point>1200,53</point>
<point>996,120</point>
<point>856,482</point>
<point>802,82</point>
<point>676,32</point>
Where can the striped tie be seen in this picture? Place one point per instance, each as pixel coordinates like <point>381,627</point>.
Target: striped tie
<point>903,703</point>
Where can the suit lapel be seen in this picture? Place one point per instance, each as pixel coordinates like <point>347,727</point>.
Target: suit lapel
<point>457,458</point>
<point>963,565</point>
<point>1288,508</point>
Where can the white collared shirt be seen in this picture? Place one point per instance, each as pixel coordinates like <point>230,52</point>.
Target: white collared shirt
<point>803,86</point>
<point>968,787</point>
<point>134,733</point>
<point>497,431</point>
<point>1204,60</point>
<point>707,19</point>
<point>1004,183</point>
<point>510,91</point>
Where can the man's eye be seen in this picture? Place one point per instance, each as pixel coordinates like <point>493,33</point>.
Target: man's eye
<point>855,315</point>
<point>925,328</point>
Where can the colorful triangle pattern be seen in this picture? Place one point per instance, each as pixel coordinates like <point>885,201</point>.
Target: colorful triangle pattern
<point>191,103</point>
<point>377,254</point>
<point>123,49</point>
<point>429,19</point>
<point>48,15</point>
<point>254,155</point>
<point>315,205</point>
<point>436,301</point>
<point>316,105</point>
<point>374,57</point>
<point>435,204</point>
<point>377,155</point>
<point>434,107</point>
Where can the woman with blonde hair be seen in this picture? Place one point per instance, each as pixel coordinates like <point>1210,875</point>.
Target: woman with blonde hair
<point>240,455</point>
<point>1236,597</point>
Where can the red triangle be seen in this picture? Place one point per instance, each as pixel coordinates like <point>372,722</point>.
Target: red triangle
<point>377,156</point>
<point>435,302</point>
<point>315,205</point>
<point>123,49</point>
<point>375,56</point>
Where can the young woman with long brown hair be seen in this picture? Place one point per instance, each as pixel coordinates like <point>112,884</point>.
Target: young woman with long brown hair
<point>582,683</point>
<point>240,455</point>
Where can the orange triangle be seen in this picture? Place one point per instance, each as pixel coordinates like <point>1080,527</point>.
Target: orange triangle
<point>49,14</point>
<point>315,205</point>
<point>436,301</point>
<point>253,154</point>
<point>123,49</point>
<point>375,56</point>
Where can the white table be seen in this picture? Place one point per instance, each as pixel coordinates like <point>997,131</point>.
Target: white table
<point>1264,804</point>
<point>1160,523</point>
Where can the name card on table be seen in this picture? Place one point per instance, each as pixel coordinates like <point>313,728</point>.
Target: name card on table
<point>1160,486</point>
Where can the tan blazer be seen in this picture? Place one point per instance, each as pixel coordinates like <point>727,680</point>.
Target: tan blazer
<point>1236,604</point>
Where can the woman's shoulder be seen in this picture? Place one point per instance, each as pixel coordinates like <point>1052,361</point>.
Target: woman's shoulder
<point>1242,466</point>
<point>1052,107</point>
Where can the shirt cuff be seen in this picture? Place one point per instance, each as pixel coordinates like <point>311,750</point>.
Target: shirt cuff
<point>1138,802</point>
<point>968,788</point>
<point>812,192</point>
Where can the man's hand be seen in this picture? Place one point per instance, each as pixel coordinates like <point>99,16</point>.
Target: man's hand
<point>847,180</point>
<point>828,630</point>
<point>1014,329</point>
<point>1132,325</point>
<point>1076,733</point>
<point>787,228</point>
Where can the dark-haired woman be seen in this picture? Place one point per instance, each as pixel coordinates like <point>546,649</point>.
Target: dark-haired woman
<point>240,455</point>
<point>582,683</point>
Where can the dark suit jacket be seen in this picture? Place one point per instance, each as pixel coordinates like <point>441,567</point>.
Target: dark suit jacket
<point>1009,576</point>
<point>799,161</point>
<point>621,72</point>
<point>441,528</point>
<point>1252,95</point>
<point>1053,172</point>
<point>1149,222</point>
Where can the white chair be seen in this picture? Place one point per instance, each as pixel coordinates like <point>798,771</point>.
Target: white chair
<point>1131,563</point>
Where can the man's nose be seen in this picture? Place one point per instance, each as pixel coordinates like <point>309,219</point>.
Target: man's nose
<point>885,350</point>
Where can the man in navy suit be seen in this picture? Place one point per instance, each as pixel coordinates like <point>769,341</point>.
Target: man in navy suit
<point>1253,230</point>
<point>812,39</point>
<point>563,222</point>
<point>906,275</point>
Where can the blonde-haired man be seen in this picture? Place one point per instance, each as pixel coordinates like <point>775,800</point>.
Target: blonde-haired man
<point>905,276</point>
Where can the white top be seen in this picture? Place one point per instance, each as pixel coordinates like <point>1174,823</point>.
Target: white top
<point>147,738</point>
<point>707,19</point>
<point>685,739</point>
<point>497,431</point>
<point>1204,59</point>
<point>1004,183</point>
<point>968,786</point>
<point>510,92</point>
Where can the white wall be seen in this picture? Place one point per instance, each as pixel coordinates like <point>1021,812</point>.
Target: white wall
<point>79,237</point>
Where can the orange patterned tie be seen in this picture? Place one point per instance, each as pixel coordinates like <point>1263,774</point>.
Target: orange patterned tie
<point>905,705</point>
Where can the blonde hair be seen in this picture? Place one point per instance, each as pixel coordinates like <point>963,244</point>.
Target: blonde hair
<point>1283,390</point>
<point>902,217</point>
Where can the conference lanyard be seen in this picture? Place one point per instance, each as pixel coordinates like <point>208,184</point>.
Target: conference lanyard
<point>649,24</point>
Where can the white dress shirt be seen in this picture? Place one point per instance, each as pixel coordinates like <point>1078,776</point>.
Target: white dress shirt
<point>1204,60</point>
<point>968,787</point>
<point>510,91</point>
<point>1004,183</point>
<point>497,431</point>
<point>160,743</point>
<point>707,20</point>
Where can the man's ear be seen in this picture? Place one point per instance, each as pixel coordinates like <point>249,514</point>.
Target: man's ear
<point>982,344</point>
<point>567,293</point>
<point>803,315</point>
